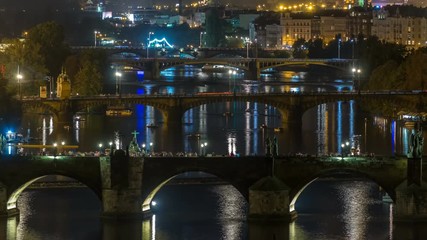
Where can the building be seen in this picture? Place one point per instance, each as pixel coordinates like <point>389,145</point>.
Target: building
<point>295,28</point>
<point>409,31</point>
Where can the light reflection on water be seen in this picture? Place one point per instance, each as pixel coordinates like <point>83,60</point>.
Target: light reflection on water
<point>327,208</point>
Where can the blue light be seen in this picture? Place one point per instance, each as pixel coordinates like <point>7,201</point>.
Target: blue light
<point>159,43</point>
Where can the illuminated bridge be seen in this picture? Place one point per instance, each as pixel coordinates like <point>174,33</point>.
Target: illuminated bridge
<point>251,66</point>
<point>290,105</point>
<point>126,185</point>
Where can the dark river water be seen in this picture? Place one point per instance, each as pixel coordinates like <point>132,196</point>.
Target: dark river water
<point>329,208</point>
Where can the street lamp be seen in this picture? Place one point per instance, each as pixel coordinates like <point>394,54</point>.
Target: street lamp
<point>100,148</point>
<point>232,74</point>
<point>95,35</point>
<point>247,42</point>
<point>201,149</point>
<point>343,147</point>
<point>201,38</point>
<point>148,41</point>
<point>143,148</point>
<point>19,77</point>
<point>356,74</point>
<point>339,48</point>
<point>151,147</point>
<point>118,82</point>
<point>205,145</point>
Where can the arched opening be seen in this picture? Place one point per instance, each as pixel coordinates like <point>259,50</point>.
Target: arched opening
<point>56,201</point>
<point>244,128</point>
<point>350,202</point>
<point>198,197</point>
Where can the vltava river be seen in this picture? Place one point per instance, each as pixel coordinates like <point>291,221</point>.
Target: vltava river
<point>330,208</point>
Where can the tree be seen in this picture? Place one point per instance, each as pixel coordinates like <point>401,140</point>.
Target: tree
<point>86,71</point>
<point>49,39</point>
<point>215,34</point>
<point>299,48</point>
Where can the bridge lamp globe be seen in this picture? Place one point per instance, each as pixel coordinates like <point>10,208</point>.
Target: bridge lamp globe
<point>100,145</point>
<point>110,143</point>
<point>55,144</point>
<point>143,145</point>
<point>342,145</point>
<point>347,143</point>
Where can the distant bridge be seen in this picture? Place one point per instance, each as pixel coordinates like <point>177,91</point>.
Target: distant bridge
<point>252,66</point>
<point>290,105</point>
<point>126,185</point>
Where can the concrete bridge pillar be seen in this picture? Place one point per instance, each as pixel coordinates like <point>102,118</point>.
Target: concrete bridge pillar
<point>411,195</point>
<point>121,186</point>
<point>173,116</point>
<point>292,116</point>
<point>269,201</point>
<point>254,70</point>
<point>152,70</point>
<point>64,124</point>
<point>3,201</point>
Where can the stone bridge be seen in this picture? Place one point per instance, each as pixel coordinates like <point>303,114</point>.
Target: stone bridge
<point>126,185</point>
<point>251,66</point>
<point>290,105</point>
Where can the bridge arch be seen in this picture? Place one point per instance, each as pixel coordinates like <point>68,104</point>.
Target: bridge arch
<point>16,190</point>
<point>146,205</point>
<point>296,191</point>
<point>303,63</point>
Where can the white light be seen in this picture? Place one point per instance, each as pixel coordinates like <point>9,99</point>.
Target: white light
<point>153,203</point>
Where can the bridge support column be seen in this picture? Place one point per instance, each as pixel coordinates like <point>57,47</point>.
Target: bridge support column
<point>411,195</point>
<point>3,201</point>
<point>254,70</point>
<point>269,201</point>
<point>291,116</point>
<point>121,186</point>
<point>173,116</point>
<point>152,71</point>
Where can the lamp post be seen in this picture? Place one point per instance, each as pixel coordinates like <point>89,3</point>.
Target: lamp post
<point>95,35</point>
<point>201,38</point>
<point>118,82</point>
<point>247,41</point>
<point>148,42</point>
<point>201,149</point>
<point>232,74</point>
<point>151,147</point>
<point>143,149</point>
<point>55,149</point>
<point>19,77</point>
<point>205,146</point>
<point>343,147</point>
<point>339,48</point>
<point>356,74</point>
<point>100,148</point>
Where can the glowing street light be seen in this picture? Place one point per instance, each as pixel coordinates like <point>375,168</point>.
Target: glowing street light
<point>118,82</point>
<point>339,48</point>
<point>19,77</point>
<point>151,147</point>
<point>148,42</point>
<point>100,148</point>
<point>343,147</point>
<point>356,74</point>
<point>95,35</point>
<point>201,38</point>
<point>232,74</point>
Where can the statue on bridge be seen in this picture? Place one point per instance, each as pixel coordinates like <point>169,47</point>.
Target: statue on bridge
<point>416,147</point>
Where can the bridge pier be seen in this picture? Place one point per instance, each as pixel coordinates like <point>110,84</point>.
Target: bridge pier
<point>152,70</point>
<point>173,116</point>
<point>254,70</point>
<point>64,123</point>
<point>292,116</point>
<point>121,186</point>
<point>411,195</point>
<point>269,201</point>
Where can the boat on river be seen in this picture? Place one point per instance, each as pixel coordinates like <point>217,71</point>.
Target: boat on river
<point>118,111</point>
<point>152,125</point>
